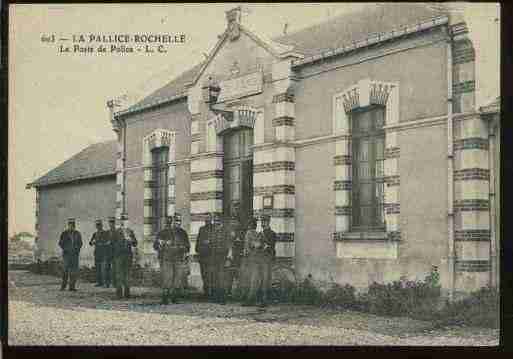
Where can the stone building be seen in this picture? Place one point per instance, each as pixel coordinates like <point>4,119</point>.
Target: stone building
<point>359,136</point>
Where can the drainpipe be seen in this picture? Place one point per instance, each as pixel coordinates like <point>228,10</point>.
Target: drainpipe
<point>491,166</point>
<point>123,193</point>
<point>450,170</point>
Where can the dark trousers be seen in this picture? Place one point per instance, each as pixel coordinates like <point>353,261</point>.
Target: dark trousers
<point>111,269</point>
<point>106,269</point>
<point>203,263</point>
<point>123,265</point>
<point>230,274</point>
<point>98,265</point>
<point>216,278</point>
<point>103,265</point>
<point>70,272</point>
<point>243,278</point>
<point>260,267</point>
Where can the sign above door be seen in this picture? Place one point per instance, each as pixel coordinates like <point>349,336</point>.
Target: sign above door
<point>241,86</point>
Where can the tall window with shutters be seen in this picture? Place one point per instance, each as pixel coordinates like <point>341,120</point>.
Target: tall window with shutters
<point>160,157</point>
<point>368,157</point>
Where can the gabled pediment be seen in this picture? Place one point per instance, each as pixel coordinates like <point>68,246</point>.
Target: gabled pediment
<point>273,48</point>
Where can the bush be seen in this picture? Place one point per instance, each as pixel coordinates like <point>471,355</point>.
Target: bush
<point>480,309</point>
<point>343,297</point>
<point>282,291</point>
<point>418,299</point>
<point>307,293</point>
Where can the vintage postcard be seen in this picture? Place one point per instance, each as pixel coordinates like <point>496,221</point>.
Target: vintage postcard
<point>254,174</point>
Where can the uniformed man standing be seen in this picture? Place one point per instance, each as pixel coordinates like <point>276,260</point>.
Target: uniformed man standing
<point>246,262</point>
<point>236,235</point>
<point>260,247</point>
<point>110,235</point>
<point>173,246</point>
<point>220,256</point>
<point>70,243</point>
<point>123,257</point>
<point>203,250</point>
<point>99,242</point>
<point>269,256</point>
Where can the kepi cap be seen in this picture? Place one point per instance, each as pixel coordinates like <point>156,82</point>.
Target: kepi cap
<point>112,219</point>
<point>71,220</point>
<point>98,221</point>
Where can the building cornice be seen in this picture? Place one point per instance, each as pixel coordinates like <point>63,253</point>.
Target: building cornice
<point>159,102</point>
<point>423,122</point>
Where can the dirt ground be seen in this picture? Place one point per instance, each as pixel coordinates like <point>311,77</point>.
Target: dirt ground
<point>39,314</point>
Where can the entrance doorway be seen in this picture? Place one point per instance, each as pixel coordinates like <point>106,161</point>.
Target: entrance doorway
<point>238,174</point>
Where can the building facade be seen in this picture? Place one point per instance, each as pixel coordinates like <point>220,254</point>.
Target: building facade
<point>358,136</point>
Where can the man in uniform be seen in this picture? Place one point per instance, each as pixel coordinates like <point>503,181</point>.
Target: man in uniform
<point>269,256</point>
<point>236,235</point>
<point>123,256</point>
<point>220,256</point>
<point>110,234</point>
<point>70,243</point>
<point>172,245</point>
<point>247,265</point>
<point>261,248</point>
<point>203,251</point>
<point>99,241</point>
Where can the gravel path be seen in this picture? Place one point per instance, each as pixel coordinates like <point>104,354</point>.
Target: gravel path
<point>41,315</point>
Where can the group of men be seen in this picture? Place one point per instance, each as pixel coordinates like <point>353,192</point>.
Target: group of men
<point>227,254</point>
<point>113,255</point>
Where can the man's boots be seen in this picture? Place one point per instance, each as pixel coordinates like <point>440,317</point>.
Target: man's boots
<point>64,281</point>
<point>127,292</point>
<point>119,292</point>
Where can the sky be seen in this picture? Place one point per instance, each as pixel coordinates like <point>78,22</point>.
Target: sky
<point>57,100</point>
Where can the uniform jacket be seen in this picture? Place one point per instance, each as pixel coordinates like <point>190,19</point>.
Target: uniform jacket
<point>110,237</point>
<point>237,234</point>
<point>220,242</point>
<point>123,242</point>
<point>269,238</point>
<point>70,242</point>
<point>174,243</point>
<point>100,241</point>
<point>202,244</point>
<point>253,241</point>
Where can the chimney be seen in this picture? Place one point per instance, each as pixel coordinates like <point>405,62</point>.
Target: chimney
<point>110,105</point>
<point>233,15</point>
<point>233,22</point>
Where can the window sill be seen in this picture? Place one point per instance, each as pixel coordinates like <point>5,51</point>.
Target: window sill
<point>366,245</point>
<point>363,236</point>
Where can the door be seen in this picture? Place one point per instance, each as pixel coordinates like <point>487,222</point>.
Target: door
<point>238,175</point>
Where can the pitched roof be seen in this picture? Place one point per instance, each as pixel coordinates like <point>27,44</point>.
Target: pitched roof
<point>335,33</point>
<point>96,160</point>
<point>173,89</point>
<point>344,29</point>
